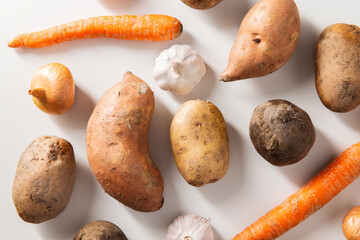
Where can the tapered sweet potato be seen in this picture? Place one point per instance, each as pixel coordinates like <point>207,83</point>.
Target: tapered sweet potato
<point>266,40</point>
<point>117,146</point>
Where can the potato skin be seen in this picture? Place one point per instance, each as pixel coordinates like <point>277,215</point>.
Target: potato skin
<point>117,145</point>
<point>337,67</point>
<point>44,179</point>
<point>199,142</point>
<point>281,132</point>
<point>100,230</point>
<point>201,4</point>
<point>266,40</point>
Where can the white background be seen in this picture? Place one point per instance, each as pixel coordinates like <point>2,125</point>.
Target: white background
<point>251,186</point>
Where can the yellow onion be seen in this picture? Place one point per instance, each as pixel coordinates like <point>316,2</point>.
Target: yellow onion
<point>52,89</point>
<point>351,224</point>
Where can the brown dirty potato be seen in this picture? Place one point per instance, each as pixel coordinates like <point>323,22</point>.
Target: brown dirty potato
<point>337,67</point>
<point>44,179</point>
<point>100,230</point>
<point>201,4</point>
<point>281,132</point>
<point>199,142</point>
<point>117,145</point>
<point>266,40</point>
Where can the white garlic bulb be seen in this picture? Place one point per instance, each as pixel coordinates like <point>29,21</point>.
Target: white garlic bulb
<point>179,69</point>
<point>190,227</point>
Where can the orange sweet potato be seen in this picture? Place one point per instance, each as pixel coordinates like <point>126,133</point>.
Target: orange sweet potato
<point>117,145</point>
<point>266,40</point>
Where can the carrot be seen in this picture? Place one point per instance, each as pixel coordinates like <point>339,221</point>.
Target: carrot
<point>311,197</point>
<point>128,27</point>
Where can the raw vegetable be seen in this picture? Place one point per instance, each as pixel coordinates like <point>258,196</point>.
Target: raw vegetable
<point>44,179</point>
<point>199,142</point>
<point>190,227</point>
<point>330,181</point>
<point>351,224</point>
<point>201,4</point>
<point>266,40</point>
<point>53,89</point>
<point>127,27</point>
<point>179,69</point>
<point>337,67</point>
<point>100,230</point>
<point>117,145</point>
<point>281,132</point>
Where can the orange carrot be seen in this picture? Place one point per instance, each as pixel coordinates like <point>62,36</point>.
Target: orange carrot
<point>311,197</point>
<point>128,27</point>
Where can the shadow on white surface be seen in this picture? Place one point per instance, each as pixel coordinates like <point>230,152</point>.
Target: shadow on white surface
<point>161,153</point>
<point>203,90</point>
<point>75,214</point>
<point>351,118</point>
<point>159,137</point>
<point>223,190</point>
<point>79,114</point>
<point>228,15</point>
<point>300,67</point>
<point>318,157</point>
<point>118,5</point>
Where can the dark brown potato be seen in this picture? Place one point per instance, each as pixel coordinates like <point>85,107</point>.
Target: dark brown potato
<point>337,67</point>
<point>281,132</point>
<point>100,230</point>
<point>201,4</point>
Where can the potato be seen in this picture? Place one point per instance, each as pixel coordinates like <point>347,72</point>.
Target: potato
<point>44,179</point>
<point>337,67</point>
<point>281,132</point>
<point>100,230</point>
<point>201,4</point>
<point>199,142</point>
<point>117,145</point>
<point>266,40</point>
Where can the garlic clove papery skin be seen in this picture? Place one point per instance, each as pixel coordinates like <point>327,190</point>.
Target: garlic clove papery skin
<point>179,69</point>
<point>190,227</point>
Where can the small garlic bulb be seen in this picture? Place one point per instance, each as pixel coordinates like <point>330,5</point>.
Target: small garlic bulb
<point>190,227</point>
<point>179,69</point>
<point>52,89</point>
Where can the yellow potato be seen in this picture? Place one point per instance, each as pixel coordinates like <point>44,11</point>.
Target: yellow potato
<point>199,142</point>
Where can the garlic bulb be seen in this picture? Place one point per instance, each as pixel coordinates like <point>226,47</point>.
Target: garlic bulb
<point>52,89</point>
<point>179,69</point>
<point>190,227</point>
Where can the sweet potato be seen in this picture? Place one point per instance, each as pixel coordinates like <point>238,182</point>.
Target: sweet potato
<point>266,40</point>
<point>117,146</point>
